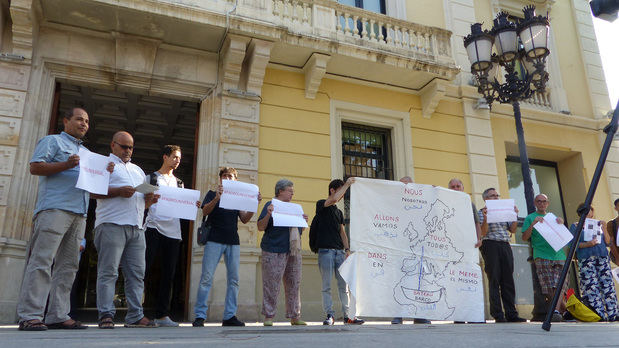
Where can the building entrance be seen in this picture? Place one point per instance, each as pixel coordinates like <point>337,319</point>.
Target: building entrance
<point>153,122</point>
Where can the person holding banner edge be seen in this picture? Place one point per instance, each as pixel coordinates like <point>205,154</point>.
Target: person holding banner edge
<point>596,281</point>
<point>281,260</point>
<point>499,263</point>
<point>612,227</point>
<point>548,262</point>
<point>163,236</point>
<point>223,239</point>
<point>331,242</point>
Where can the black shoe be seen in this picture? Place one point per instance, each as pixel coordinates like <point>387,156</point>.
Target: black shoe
<point>516,320</point>
<point>421,321</point>
<point>353,321</point>
<point>500,320</point>
<point>232,322</point>
<point>459,322</point>
<point>198,322</point>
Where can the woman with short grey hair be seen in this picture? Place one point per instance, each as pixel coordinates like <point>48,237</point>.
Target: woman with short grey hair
<point>281,259</point>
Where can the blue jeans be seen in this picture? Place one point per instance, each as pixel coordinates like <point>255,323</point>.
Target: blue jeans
<point>232,259</point>
<point>329,260</point>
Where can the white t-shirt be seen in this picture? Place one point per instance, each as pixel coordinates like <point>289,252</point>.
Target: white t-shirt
<point>167,226</point>
<point>121,210</point>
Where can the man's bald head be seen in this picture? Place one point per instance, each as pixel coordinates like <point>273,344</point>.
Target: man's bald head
<point>122,145</point>
<point>407,180</point>
<point>455,184</point>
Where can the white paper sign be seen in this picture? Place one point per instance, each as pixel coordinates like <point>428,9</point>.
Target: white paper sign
<point>239,196</point>
<point>287,214</point>
<point>501,210</point>
<point>94,176</point>
<point>615,272</point>
<point>177,202</point>
<point>414,252</point>
<point>557,235</point>
<point>591,229</point>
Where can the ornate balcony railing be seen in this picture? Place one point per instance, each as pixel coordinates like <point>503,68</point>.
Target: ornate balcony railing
<point>540,100</point>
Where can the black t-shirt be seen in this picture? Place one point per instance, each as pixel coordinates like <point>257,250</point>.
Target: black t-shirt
<point>224,223</point>
<point>330,220</point>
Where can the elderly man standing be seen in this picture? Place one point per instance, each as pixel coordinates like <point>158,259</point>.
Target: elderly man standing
<point>548,262</point>
<point>499,263</point>
<point>59,222</point>
<point>119,236</point>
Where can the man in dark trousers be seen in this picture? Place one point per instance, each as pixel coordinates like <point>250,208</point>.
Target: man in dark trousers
<point>332,244</point>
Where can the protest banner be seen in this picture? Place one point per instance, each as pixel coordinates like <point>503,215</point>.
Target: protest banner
<point>414,252</point>
<point>239,196</point>
<point>557,235</point>
<point>93,176</point>
<point>177,202</point>
<point>287,214</point>
<point>501,210</point>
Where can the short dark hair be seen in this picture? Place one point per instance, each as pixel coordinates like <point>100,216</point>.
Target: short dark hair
<point>487,191</point>
<point>616,201</point>
<point>335,184</point>
<point>581,206</point>
<point>69,113</point>
<point>228,170</point>
<point>168,149</point>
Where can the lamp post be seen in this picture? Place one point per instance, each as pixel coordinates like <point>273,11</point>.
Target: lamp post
<point>521,51</point>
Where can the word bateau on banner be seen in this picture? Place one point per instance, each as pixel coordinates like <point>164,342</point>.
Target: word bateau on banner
<point>93,176</point>
<point>414,252</point>
<point>239,196</point>
<point>177,202</point>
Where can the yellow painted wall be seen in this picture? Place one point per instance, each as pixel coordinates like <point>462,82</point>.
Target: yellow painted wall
<point>295,136</point>
<point>576,164</point>
<point>426,12</point>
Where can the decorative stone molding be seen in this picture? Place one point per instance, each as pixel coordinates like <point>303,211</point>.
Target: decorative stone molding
<point>23,27</point>
<point>135,60</point>
<point>12,102</point>
<point>5,185</point>
<point>431,95</point>
<point>14,76</point>
<point>254,65</point>
<point>245,110</point>
<point>459,15</point>
<point>9,130</point>
<point>233,53</point>
<point>314,69</point>
<point>238,156</point>
<point>7,159</point>
<point>241,133</point>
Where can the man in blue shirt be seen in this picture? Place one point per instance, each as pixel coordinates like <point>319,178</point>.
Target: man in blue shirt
<point>59,222</point>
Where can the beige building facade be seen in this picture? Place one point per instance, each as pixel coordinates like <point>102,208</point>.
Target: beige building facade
<point>274,88</point>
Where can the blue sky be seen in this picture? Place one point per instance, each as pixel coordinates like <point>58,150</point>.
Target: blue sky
<point>607,35</point>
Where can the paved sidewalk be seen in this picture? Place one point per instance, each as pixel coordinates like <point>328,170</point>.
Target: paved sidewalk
<point>374,334</point>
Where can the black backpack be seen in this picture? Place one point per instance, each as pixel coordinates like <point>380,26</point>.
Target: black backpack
<point>313,234</point>
<point>152,178</point>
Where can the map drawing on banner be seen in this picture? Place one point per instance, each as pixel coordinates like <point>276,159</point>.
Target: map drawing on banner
<point>414,253</point>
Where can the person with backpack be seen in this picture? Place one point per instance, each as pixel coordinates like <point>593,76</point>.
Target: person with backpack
<point>163,236</point>
<point>596,281</point>
<point>328,239</point>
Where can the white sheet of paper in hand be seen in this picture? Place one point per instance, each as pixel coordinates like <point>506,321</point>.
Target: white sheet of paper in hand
<point>555,234</point>
<point>93,176</point>
<point>287,214</point>
<point>239,196</point>
<point>146,188</point>
<point>501,210</point>
<point>615,272</point>
<point>177,202</point>
<point>592,228</point>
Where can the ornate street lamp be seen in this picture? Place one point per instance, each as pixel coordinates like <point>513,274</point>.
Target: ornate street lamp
<point>518,45</point>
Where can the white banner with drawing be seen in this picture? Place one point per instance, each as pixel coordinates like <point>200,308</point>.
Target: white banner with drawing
<point>414,252</point>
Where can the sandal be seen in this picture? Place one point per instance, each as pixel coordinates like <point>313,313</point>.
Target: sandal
<point>32,325</point>
<point>67,325</point>
<point>142,323</point>
<point>106,323</point>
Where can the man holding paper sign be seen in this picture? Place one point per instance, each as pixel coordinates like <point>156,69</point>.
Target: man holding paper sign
<point>223,239</point>
<point>281,258</point>
<point>499,261</point>
<point>119,237</point>
<point>548,262</point>
<point>58,227</point>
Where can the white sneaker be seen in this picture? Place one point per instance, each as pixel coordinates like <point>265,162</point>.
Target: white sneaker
<point>166,322</point>
<point>329,320</point>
